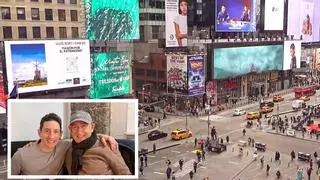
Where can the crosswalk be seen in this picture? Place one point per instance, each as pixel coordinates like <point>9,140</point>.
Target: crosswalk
<point>3,169</point>
<point>213,118</point>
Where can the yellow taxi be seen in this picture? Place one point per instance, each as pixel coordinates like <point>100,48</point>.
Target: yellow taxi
<point>253,115</point>
<point>277,98</point>
<point>181,134</point>
<point>266,109</point>
<point>304,98</point>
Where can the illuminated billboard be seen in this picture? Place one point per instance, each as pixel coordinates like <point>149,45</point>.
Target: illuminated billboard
<point>196,75</point>
<point>292,55</point>
<point>112,19</point>
<point>236,61</point>
<point>273,15</point>
<point>46,65</point>
<point>110,75</point>
<point>235,16</point>
<point>177,78</point>
<point>176,23</point>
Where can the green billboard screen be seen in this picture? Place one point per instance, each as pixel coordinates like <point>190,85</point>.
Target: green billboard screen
<point>110,75</point>
<point>112,19</point>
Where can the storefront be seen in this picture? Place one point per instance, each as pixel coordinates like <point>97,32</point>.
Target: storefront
<point>228,90</point>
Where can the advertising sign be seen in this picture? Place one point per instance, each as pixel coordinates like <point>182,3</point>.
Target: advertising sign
<point>317,59</point>
<point>235,16</point>
<point>292,55</point>
<point>196,75</point>
<point>304,19</point>
<point>176,23</point>
<point>273,15</point>
<point>110,75</point>
<point>46,65</point>
<point>177,73</point>
<point>236,61</point>
<point>112,19</point>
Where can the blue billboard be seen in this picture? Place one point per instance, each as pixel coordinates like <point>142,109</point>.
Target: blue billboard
<point>196,75</point>
<point>236,61</point>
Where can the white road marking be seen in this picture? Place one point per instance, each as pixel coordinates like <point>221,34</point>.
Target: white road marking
<point>151,156</point>
<point>154,162</point>
<point>158,173</point>
<point>232,162</point>
<point>178,152</point>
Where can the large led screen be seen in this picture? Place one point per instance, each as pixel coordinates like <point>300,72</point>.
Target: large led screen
<point>236,61</point>
<point>177,73</point>
<point>304,19</point>
<point>176,23</point>
<point>112,19</point>
<point>46,65</point>
<point>110,75</point>
<point>273,15</point>
<point>235,16</point>
<point>292,55</point>
<point>196,75</point>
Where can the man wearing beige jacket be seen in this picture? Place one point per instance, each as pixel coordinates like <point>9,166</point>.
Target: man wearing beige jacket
<point>88,156</point>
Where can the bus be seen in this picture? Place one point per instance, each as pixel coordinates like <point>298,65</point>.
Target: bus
<point>305,91</point>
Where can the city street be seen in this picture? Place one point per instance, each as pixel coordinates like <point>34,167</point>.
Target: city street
<point>228,164</point>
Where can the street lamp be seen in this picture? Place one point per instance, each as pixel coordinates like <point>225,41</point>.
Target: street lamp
<point>143,88</point>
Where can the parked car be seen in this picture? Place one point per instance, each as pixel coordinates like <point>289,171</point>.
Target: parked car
<point>267,103</point>
<point>238,112</point>
<point>156,134</point>
<point>181,134</point>
<point>277,98</point>
<point>253,115</point>
<point>266,109</point>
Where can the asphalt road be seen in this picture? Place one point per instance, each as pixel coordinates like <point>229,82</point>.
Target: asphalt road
<point>228,165</point>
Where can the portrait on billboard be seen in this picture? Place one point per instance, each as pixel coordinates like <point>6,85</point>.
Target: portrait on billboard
<point>292,55</point>
<point>29,65</point>
<point>196,75</point>
<point>176,23</point>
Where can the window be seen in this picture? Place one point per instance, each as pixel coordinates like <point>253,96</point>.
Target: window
<point>63,32</point>
<point>62,15</point>
<point>36,32</point>
<point>7,32</point>
<point>141,4</point>
<point>48,1</point>
<point>61,1</point>
<point>161,74</point>
<point>73,1</point>
<point>35,14</point>
<point>141,33</point>
<point>74,15</point>
<point>75,32</point>
<point>5,12</point>
<point>143,16</point>
<point>160,4</point>
<point>152,3</point>
<point>21,14</point>
<point>49,15</point>
<point>152,73</point>
<point>22,31</point>
<point>155,32</point>
<point>139,72</point>
<point>50,32</point>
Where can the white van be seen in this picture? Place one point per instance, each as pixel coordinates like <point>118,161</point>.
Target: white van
<point>298,104</point>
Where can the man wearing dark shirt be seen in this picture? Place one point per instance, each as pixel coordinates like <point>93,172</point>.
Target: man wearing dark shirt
<point>293,57</point>
<point>223,15</point>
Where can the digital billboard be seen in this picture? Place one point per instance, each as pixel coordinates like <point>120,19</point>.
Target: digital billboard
<point>236,61</point>
<point>273,15</point>
<point>304,19</point>
<point>292,55</point>
<point>176,23</point>
<point>177,78</point>
<point>112,19</point>
<point>110,75</point>
<point>196,75</point>
<point>235,16</point>
<point>46,65</point>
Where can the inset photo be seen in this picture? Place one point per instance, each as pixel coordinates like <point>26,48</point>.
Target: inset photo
<point>73,139</point>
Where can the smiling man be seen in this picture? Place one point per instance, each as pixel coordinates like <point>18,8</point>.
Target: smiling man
<point>87,155</point>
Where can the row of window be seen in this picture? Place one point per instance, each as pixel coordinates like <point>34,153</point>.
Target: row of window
<point>35,14</point>
<point>152,4</point>
<point>36,32</point>
<point>58,1</point>
<point>152,17</point>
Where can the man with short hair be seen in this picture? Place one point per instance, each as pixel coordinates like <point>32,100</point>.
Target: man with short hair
<point>46,156</point>
<point>87,155</point>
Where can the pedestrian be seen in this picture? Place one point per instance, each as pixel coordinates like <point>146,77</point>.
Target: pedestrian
<point>154,148</point>
<point>141,160</point>
<point>146,160</point>
<point>309,170</point>
<point>244,132</point>
<point>268,169</point>
<point>181,164</point>
<point>191,175</point>
<point>221,141</point>
<point>195,142</point>
<point>198,156</point>
<point>227,139</point>
<point>252,142</point>
<point>318,163</point>
<point>164,114</point>
<point>315,154</point>
<point>310,163</point>
<point>195,165</point>
<point>293,155</point>
<point>249,141</point>
<point>173,176</point>
<point>202,145</point>
<point>261,161</point>
<point>203,155</point>
<point>141,170</point>
<point>168,162</point>
<point>169,170</point>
